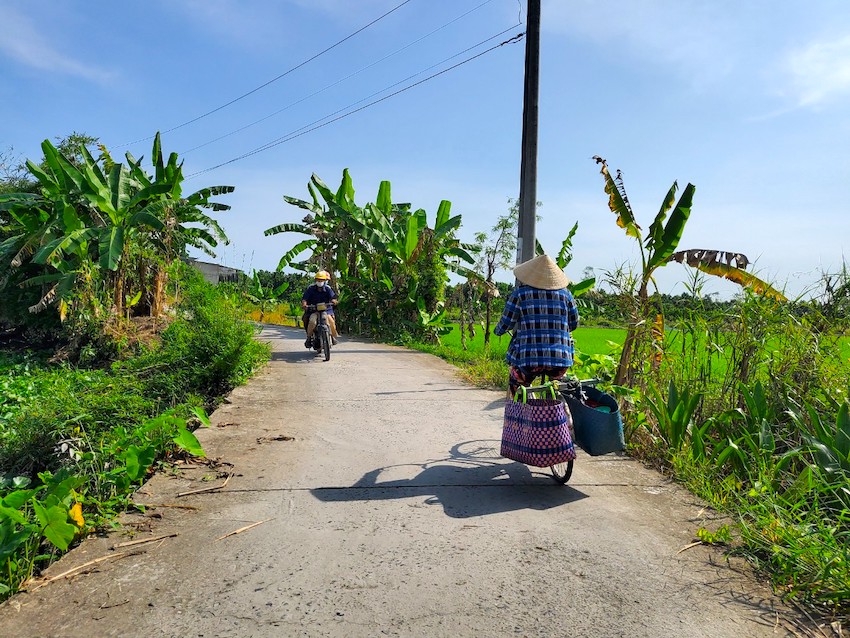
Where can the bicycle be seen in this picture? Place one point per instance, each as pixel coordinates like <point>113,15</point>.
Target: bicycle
<point>321,339</point>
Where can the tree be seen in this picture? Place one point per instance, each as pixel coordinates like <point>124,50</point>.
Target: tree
<point>391,264</point>
<point>263,296</point>
<point>657,250</point>
<point>498,250</point>
<point>14,177</point>
<point>92,218</point>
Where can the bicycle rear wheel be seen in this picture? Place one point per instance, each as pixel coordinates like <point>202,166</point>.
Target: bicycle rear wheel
<point>562,472</point>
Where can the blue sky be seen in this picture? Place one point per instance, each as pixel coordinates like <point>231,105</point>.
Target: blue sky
<point>746,100</point>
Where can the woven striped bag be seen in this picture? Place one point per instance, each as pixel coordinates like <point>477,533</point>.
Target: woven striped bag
<point>537,431</point>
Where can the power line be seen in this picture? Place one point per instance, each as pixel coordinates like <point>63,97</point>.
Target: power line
<point>309,128</point>
<point>348,77</point>
<point>282,75</point>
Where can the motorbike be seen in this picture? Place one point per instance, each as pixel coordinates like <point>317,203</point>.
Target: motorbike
<point>321,339</point>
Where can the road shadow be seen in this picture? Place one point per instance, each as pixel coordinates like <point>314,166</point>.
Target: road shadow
<point>472,481</point>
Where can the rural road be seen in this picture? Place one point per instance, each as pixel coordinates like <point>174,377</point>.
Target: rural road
<point>390,513</point>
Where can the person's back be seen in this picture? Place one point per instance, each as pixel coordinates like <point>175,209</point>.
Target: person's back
<point>542,321</point>
<point>542,313</point>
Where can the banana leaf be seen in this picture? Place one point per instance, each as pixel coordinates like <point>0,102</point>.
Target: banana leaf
<point>581,287</point>
<point>288,228</point>
<point>111,247</point>
<point>294,252</point>
<point>565,255</point>
<point>457,251</point>
<point>673,229</point>
<point>618,202</point>
<point>412,236</point>
<point>443,212</point>
<point>384,202</point>
<point>146,218</point>
<point>709,262</point>
<point>316,209</point>
<point>447,226</point>
<point>345,194</point>
<point>656,229</point>
<point>324,191</point>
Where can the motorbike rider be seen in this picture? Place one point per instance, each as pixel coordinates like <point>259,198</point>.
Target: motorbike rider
<point>319,292</point>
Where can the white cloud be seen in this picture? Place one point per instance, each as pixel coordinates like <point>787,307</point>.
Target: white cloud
<point>689,37</point>
<point>250,25</point>
<point>820,72</point>
<point>23,42</point>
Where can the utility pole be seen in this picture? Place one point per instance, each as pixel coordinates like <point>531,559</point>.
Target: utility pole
<point>528,167</point>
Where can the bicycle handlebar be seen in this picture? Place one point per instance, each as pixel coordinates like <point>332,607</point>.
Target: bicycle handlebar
<point>582,382</point>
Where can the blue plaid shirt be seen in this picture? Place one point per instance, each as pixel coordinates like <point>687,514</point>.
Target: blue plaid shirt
<point>541,321</point>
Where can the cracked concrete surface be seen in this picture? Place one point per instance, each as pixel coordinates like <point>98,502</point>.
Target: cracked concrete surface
<point>385,510</point>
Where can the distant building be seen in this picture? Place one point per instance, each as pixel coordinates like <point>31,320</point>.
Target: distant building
<point>215,273</point>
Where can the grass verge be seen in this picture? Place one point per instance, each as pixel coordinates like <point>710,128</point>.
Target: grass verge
<point>76,443</point>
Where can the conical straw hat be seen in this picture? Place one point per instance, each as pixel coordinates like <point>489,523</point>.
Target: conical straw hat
<point>541,272</point>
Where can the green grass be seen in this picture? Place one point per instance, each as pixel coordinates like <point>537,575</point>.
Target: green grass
<point>488,368</point>
<point>588,341</point>
<point>72,437</point>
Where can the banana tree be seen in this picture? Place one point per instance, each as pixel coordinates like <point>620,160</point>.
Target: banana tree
<point>658,249</point>
<point>263,296</point>
<point>386,256</point>
<point>184,224</point>
<point>92,215</point>
<point>115,205</point>
<point>563,259</point>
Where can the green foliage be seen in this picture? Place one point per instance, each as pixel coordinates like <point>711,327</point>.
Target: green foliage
<point>85,439</point>
<point>98,233</point>
<point>674,414</point>
<point>721,537</point>
<point>806,554</point>
<point>263,296</point>
<point>389,267</point>
<point>772,449</point>
<point>656,250</point>
<point>209,350</point>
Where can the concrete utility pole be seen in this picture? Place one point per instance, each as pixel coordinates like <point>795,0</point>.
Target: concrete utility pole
<point>528,167</point>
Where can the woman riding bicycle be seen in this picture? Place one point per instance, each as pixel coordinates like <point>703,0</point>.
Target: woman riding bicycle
<point>541,312</point>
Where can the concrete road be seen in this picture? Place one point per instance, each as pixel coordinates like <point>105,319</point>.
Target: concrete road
<point>384,509</point>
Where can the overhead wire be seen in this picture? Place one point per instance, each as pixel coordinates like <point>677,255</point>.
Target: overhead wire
<point>273,80</point>
<point>320,123</point>
<point>340,81</point>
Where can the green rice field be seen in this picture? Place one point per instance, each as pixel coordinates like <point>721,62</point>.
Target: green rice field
<point>588,341</point>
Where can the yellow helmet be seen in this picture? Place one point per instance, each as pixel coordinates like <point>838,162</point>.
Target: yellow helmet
<point>322,274</point>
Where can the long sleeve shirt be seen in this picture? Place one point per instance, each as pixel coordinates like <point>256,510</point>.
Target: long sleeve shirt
<point>542,321</point>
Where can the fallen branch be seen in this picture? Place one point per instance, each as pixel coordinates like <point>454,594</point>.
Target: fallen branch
<point>206,489</point>
<point>279,437</point>
<point>243,529</point>
<point>83,566</point>
<point>182,507</point>
<point>694,544</point>
<point>144,540</point>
